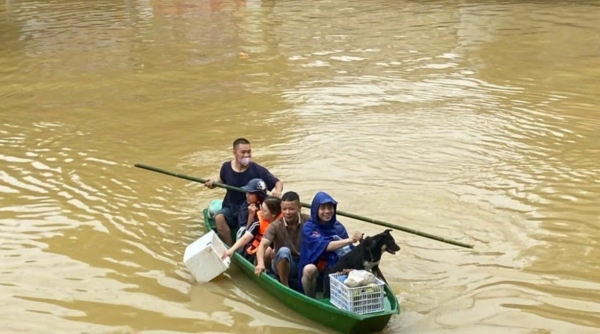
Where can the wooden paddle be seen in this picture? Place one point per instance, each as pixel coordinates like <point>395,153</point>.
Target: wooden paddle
<point>339,212</point>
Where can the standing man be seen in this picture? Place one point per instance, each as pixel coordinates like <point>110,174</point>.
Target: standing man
<point>238,172</point>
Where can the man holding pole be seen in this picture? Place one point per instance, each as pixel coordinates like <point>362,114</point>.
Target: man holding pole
<point>238,172</point>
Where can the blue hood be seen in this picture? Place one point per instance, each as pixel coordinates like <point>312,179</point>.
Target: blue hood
<point>320,199</point>
<point>317,236</point>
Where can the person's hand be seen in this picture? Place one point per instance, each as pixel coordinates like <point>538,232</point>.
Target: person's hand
<point>260,267</point>
<point>356,237</point>
<point>226,254</point>
<point>209,184</point>
<point>252,209</point>
<point>276,193</point>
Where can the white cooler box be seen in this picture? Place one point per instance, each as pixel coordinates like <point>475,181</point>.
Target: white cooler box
<point>203,257</point>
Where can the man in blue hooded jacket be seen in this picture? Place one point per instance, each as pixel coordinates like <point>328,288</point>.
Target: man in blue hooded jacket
<point>324,241</point>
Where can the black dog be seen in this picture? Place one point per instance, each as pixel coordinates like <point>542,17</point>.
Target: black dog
<point>365,256</point>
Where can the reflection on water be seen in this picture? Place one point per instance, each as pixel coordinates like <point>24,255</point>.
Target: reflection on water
<point>469,120</point>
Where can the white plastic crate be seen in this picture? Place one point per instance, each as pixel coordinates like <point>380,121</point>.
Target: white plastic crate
<point>203,257</point>
<point>361,300</point>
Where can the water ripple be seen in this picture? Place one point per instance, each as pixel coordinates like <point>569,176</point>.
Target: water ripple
<point>91,212</point>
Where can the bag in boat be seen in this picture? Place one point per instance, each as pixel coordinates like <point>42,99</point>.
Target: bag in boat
<point>359,278</point>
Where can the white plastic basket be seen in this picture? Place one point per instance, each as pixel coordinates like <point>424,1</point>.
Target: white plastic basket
<point>361,300</point>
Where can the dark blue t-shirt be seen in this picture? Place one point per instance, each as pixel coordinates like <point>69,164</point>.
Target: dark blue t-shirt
<point>234,199</point>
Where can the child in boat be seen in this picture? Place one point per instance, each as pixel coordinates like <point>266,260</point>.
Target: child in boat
<point>270,210</point>
<point>256,192</point>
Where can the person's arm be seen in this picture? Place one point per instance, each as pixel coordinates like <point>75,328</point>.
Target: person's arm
<point>241,242</point>
<point>278,188</point>
<point>250,219</point>
<point>335,244</point>
<point>273,183</point>
<point>251,215</point>
<point>210,183</point>
<point>260,253</point>
<point>222,174</point>
<point>260,256</point>
<point>346,240</point>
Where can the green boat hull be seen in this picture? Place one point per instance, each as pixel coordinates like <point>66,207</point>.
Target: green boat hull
<point>318,310</point>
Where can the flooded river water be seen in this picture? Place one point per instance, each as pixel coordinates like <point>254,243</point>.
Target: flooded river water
<point>474,120</point>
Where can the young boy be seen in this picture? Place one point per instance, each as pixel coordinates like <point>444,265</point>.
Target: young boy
<point>256,192</point>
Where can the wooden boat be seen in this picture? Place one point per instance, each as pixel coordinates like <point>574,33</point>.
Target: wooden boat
<point>318,310</point>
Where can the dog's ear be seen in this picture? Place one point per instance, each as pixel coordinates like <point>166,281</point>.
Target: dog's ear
<point>388,231</point>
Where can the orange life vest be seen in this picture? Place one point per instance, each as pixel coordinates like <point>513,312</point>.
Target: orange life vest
<point>253,247</point>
